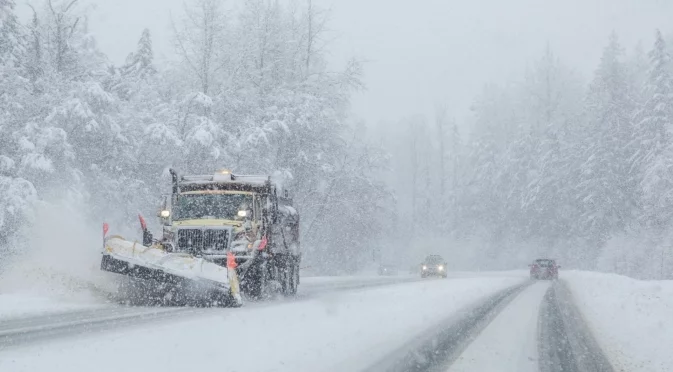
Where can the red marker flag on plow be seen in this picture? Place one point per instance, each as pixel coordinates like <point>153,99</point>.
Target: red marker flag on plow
<point>106,228</point>
<point>263,243</point>
<point>143,224</point>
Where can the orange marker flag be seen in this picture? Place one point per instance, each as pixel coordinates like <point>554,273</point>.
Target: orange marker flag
<point>231,261</point>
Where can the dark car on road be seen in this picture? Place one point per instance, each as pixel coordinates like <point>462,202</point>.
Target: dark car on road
<point>544,268</point>
<point>433,265</point>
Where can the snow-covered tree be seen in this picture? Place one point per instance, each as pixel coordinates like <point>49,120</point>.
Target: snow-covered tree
<point>654,154</point>
<point>11,39</point>
<point>141,63</point>
<point>200,42</point>
<point>606,189</point>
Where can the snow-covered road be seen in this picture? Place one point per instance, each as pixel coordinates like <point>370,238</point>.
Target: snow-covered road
<point>540,330</point>
<point>510,342</point>
<point>471,322</point>
<point>28,318</point>
<point>535,327</point>
<point>19,304</point>
<point>337,331</point>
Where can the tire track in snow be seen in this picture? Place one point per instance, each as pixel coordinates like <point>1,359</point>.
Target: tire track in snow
<point>555,351</point>
<point>565,342</point>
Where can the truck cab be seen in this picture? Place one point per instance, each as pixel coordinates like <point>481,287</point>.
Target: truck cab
<point>250,217</point>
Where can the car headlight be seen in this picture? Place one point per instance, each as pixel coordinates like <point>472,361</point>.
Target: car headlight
<point>425,267</point>
<point>440,268</point>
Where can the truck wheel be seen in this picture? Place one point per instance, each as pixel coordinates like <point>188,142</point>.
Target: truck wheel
<point>288,278</point>
<point>293,277</point>
<point>254,288</point>
<point>253,283</point>
<point>232,301</point>
<point>284,274</point>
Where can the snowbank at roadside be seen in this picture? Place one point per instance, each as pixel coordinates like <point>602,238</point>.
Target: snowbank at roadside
<point>630,319</point>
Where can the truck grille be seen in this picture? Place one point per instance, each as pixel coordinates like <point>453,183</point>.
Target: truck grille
<point>198,241</point>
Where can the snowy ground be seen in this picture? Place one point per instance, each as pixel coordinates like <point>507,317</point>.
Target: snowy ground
<point>52,292</point>
<point>75,294</point>
<point>21,305</point>
<point>337,331</point>
<point>63,293</point>
<point>352,323</point>
<point>631,319</point>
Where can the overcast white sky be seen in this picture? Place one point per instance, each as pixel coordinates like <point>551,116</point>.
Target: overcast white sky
<point>422,52</point>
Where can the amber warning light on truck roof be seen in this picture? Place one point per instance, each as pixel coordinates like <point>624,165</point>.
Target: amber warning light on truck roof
<point>223,175</point>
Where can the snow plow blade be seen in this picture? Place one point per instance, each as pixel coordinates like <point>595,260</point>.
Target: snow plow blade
<point>177,278</point>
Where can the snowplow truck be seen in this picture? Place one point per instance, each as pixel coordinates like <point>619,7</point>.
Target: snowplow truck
<point>242,223</point>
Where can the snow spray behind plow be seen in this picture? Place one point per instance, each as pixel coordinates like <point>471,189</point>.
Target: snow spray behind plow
<point>59,258</point>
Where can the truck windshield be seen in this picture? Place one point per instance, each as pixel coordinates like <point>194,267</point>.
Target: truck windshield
<point>215,206</point>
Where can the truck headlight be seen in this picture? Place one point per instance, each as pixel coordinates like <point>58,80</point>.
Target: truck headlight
<point>425,267</point>
<point>165,213</point>
<point>440,268</point>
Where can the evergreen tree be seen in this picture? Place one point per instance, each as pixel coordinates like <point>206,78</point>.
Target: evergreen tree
<point>606,187</point>
<point>654,157</point>
<point>34,60</point>
<point>141,63</point>
<point>11,39</point>
<point>638,67</point>
<point>17,194</point>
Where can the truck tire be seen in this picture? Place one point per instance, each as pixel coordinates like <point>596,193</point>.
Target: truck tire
<point>229,300</point>
<point>293,279</point>
<point>288,275</point>
<point>254,281</point>
<point>254,288</point>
